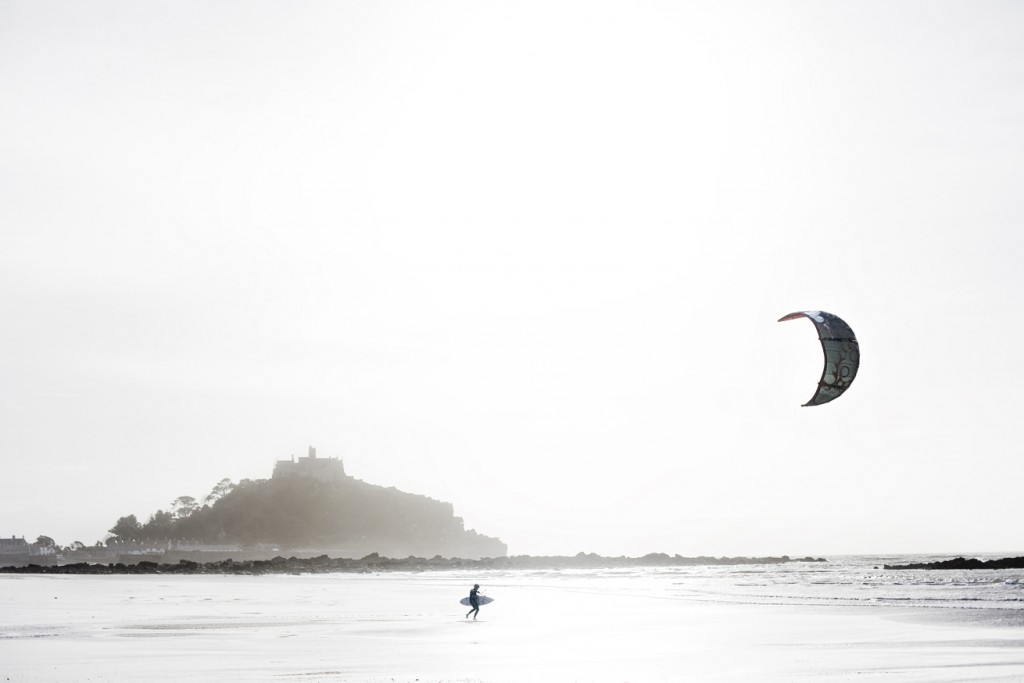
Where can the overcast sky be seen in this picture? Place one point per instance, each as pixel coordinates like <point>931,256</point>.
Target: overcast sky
<point>523,257</point>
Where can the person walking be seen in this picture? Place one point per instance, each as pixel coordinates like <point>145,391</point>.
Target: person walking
<point>474,603</point>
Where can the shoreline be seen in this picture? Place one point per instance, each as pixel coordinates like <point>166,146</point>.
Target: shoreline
<point>379,563</point>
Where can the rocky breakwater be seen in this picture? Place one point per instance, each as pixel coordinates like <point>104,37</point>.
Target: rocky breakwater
<point>378,563</point>
<point>964,563</point>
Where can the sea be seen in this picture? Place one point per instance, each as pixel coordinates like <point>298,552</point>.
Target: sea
<point>847,618</point>
<point>993,596</point>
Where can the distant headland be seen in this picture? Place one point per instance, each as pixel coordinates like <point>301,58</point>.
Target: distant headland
<point>309,507</point>
<point>310,516</point>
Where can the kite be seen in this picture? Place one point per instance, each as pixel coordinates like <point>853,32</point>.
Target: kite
<point>842,354</point>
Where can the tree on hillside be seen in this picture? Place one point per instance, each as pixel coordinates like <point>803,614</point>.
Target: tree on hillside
<point>160,525</point>
<point>126,528</point>
<point>220,489</point>
<point>45,542</point>
<point>183,506</point>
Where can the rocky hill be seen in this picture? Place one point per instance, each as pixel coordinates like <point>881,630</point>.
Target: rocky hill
<point>311,507</point>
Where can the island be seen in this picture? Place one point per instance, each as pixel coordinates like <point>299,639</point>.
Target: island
<point>309,507</point>
<point>309,517</point>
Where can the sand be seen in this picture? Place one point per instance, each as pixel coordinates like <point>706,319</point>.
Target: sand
<point>409,627</point>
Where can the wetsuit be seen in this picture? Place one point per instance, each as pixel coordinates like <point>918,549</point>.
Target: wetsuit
<point>473,603</point>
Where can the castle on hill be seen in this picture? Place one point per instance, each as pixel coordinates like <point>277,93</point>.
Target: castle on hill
<point>328,470</point>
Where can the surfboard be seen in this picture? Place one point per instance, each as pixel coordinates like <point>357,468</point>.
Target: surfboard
<point>480,600</point>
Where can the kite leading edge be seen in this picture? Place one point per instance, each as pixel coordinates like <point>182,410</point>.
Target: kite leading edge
<point>842,354</point>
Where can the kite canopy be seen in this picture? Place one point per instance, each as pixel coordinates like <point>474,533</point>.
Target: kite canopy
<point>842,354</point>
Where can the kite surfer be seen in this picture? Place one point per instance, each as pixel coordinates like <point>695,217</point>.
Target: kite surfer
<point>473,602</point>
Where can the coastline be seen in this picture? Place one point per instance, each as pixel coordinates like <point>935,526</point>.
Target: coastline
<point>377,563</point>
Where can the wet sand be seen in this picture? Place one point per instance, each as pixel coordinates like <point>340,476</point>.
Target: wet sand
<point>409,627</point>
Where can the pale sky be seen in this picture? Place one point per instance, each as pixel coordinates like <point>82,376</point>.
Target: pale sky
<point>523,257</point>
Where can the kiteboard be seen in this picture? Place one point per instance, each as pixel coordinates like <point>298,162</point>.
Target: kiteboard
<point>480,600</point>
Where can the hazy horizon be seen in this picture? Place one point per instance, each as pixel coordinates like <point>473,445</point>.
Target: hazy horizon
<point>526,258</point>
<point>570,552</point>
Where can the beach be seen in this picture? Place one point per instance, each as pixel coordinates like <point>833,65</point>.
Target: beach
<point>691,625</point>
